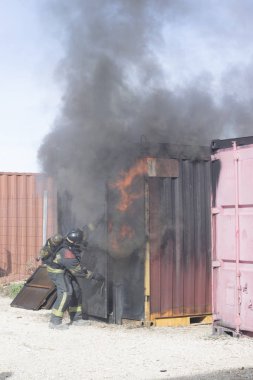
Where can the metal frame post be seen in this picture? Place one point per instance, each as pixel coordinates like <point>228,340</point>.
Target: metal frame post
<point>237,240</point>
<point>45,212</point>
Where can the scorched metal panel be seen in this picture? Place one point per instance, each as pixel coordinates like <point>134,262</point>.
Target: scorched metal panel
<point>94,294</point>
<point>38,292</point>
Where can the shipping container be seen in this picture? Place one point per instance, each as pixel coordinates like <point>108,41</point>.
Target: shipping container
<point>158,260</point>
<point>28,215</point>
<point>232,225</point>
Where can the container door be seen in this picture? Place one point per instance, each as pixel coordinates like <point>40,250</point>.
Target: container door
<point>162,246</point>
<point>180,248</point>
<point>233,237</point>
<point>245,170</point>
<point>94,294</point>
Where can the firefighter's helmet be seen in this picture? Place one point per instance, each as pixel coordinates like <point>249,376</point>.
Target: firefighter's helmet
<point>56,239</point>
<point>75,237</point>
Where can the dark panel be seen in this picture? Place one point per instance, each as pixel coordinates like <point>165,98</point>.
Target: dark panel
<point>178,263</point>
<point>127,284</point>
<point>38,292</point>
<point>174,151</point>
<point>134,287</point>
<point>200,237</point>
<point>227,143</point>
<point>155,242</point>
<point>126,246</point>
<point>215,169</point>
<point>31,298</point>
<point>188,238</point>
<point>94,294</point>
<point>40,278</point>
<point>167,245</point>
<point>48,304</point>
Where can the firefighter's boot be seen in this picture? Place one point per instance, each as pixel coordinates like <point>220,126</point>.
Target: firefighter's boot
<point>58,326</point>
<point>56,323</point>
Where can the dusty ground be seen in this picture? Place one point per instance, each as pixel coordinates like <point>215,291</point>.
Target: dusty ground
<point>29,350</point>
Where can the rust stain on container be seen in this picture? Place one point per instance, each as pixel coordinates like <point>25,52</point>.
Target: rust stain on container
<point>21,221</point>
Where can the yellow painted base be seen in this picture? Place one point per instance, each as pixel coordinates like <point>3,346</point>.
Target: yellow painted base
<point>183,321</point>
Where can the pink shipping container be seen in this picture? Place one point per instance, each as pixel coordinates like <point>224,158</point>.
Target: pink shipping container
<point>232,224</point>
<point>28,215</point>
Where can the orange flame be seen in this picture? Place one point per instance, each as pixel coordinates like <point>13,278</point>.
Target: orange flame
<point>114,244</point>
<point>119,237</point>
<point>123,184</point>
<point>126,232</point>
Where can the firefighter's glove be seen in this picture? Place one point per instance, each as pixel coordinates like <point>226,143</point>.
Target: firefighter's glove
<point>98,277</point>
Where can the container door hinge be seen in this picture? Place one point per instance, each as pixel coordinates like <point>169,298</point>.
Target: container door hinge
<point>215,210</point>
<point>216,264</point>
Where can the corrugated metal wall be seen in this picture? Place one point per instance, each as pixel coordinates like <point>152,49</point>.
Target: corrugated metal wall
<point>232,222</point>
<point>180,247</point>
<point>23,198</point>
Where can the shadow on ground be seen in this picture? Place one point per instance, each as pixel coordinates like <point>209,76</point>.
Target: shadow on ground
<point>5,375</point>
<point>232,374</point>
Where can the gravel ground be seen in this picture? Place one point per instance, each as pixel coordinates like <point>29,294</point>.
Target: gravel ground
<point>30,350</point>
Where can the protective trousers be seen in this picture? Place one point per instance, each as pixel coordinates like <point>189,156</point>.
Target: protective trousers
<point>68,297</point>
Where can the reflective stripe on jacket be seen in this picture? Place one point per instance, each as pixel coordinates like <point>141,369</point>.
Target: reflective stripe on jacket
<point>66,259</point>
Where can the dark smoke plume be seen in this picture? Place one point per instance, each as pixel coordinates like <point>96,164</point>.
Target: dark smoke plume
<point>117,88</point>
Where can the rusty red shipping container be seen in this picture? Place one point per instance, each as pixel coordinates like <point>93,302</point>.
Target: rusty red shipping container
<point>28,215</point>
<point>159,237</point>
<point>232,221</point>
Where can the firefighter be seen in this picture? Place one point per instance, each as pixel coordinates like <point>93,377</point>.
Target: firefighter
<point>63,270</point>
<point>51,245</point>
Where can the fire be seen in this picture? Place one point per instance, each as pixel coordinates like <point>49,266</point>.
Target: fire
<point>114,243</point>
<point>125,182</point>
<point>120,238</point>
<point>126,232</point>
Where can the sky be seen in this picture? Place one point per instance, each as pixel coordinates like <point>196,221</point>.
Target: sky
<point>29,93</point>
<point>209,43</point>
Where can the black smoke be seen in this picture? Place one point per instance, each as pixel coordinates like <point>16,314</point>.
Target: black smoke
<point>118,86</point>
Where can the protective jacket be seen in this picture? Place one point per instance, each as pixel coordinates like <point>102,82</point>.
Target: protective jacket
<point>63,270</point>
<point>67,259</point>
